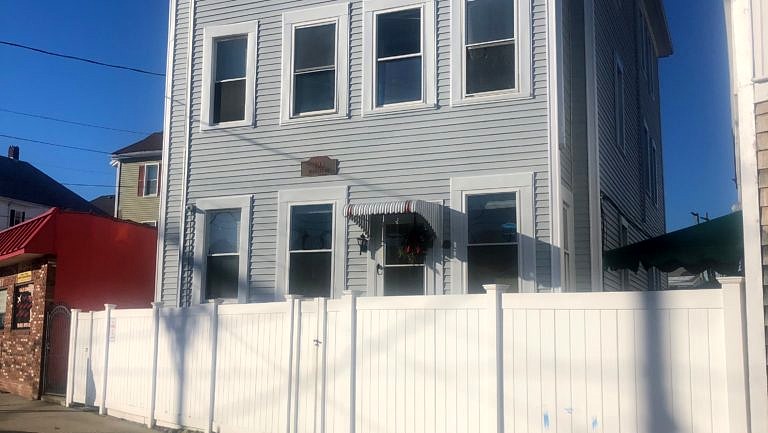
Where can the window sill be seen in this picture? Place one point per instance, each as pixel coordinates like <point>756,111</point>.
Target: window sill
<point>491,97</point>
<point>226,125</point>
<point>399,108</point>
<point>313,118</point>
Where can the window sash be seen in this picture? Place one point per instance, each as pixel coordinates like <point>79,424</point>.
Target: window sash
<point>217,41</point>
<point>487,44</point>
<point>306,71</point>
<point>292,251</point>
<point>380,60</point>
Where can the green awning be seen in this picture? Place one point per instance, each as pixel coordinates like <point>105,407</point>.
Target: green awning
<point>717,245</point>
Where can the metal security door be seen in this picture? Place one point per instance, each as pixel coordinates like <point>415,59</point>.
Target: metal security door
<point>56,350</point>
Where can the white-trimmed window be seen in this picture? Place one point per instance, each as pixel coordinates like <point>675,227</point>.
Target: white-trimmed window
<point>399,54</point>
<point>619,120</point>
<point>16,217</point>
<point>568,259</point>
<point>148,180</point>
<point>222,237</point>
<point>491,49</point>
<point>311,242</point>
<point>229,72</point>
<point>492,231</point>
<point>316,62</point>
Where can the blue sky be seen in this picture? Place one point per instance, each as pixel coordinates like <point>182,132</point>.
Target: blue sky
<point>697,145</point>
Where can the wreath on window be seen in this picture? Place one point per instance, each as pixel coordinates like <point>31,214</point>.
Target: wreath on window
<point>416,243</point>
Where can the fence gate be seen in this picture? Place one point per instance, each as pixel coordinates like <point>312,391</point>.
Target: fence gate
<point>56,349</point>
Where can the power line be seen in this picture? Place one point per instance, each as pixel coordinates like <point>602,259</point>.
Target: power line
<point>88,184</point>
<point>82,59</point>
<point>71,122</point>
<point>84,149</point>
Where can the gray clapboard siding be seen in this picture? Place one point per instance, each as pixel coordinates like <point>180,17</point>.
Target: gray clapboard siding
<point>399,155</point>
<point>621,172</point>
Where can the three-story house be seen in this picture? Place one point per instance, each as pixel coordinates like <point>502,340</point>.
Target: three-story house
<point>407,147</point>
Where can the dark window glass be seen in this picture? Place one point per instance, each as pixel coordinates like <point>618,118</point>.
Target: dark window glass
<point>315,91</point>
<point>229,85</point>
<point>396,238</point>
<point>398,33</point>
<point>22,307</point>
<point>398,54</point>
<point>311,243</point>
<point>221,277</point>
<point>310,274</point>
<point>229,101</point>
<point>311,227</point>
<point>315,47</point>
<point>150,179</point>
<point>491,264</point>
<point>492,218</point>
<point>314,81</point>
<point>231,58</point>
<point>490,20</point>
<point>490,68</point>
<point>404,281</point>
<point>222,271</point>
<point>399,81</point>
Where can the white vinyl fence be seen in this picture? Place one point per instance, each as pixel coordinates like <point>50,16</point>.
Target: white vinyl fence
<point>588,362</point>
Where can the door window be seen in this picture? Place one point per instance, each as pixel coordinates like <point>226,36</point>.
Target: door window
<point>406,241</point>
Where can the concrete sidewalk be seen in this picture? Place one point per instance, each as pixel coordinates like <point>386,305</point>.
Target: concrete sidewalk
<point>18,415</point>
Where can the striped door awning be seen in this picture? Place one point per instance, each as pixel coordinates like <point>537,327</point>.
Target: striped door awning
<point>360,213</point>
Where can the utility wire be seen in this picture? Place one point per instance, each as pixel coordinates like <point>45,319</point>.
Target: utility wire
<point>88,184</point>
<point>84,149</point>
<point>71,122</point>
<point>82,59</point>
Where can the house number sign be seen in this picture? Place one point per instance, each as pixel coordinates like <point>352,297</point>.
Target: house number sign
<point>319,166</point>
<point>24,277</point>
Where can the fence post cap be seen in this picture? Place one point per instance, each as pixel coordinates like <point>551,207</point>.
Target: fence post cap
<point>291,296</point>
<point>109,306</point>
<point>351,293</point>
<point>731,281</point>
<point>157,304</point>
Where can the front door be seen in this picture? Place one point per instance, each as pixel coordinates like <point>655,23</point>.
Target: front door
<point>56,350</point>
<point>402,267</point>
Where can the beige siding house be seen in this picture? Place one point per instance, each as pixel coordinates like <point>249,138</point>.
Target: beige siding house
<point>137,195</point>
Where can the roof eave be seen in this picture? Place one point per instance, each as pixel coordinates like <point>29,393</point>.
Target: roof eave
<point>660,27</point>
<point>133,155</point>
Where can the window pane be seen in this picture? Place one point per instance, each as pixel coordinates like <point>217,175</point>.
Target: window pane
<point>223,231</point>
<point>310,274</point>
<point>22,307</point>
<point>492,218</point>
<point>404,281</point>
<point>398,33</point>
<point>398,81</point>
<point>314,91</point>
<point>231,58</point>
<point>490,20</point>
<point>150,173</point>
<point>311,227</point>
<point>491,68</point>
<point>229,101</point>
<point>495,264</point>
<point>315,47</point>
<point>397,237</point>
<point>221,277</point>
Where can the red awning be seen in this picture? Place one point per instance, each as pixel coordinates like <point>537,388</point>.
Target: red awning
<point>30,238</point>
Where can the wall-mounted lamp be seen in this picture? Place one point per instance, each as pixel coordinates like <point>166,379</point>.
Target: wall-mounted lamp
<point>362,242</point>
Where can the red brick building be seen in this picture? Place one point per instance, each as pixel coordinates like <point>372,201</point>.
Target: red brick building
<point>51,264</point>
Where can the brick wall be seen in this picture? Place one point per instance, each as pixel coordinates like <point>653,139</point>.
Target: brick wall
<point>761,123</point>
<point>21,350</point>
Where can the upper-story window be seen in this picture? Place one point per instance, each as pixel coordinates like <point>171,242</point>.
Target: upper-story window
<point>315,62</point>
<point>229,64</point>
<point>490,41</point>
<point>148,180</point>
<point>399,70</point>
<point>16,217</point>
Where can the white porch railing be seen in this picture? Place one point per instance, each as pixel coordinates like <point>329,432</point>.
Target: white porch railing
<point>587,362</point>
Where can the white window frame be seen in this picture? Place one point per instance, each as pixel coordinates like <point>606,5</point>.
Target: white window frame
<point>210,34</point>
<point>619,102</point>
<point>522,185</point>
<point>203,206</point>
<point>144,183</point>
<point>371,9</point>
<point>523,53</point>
<point>334,13</point>
<point>336,196</point>
<point>569,237</point>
